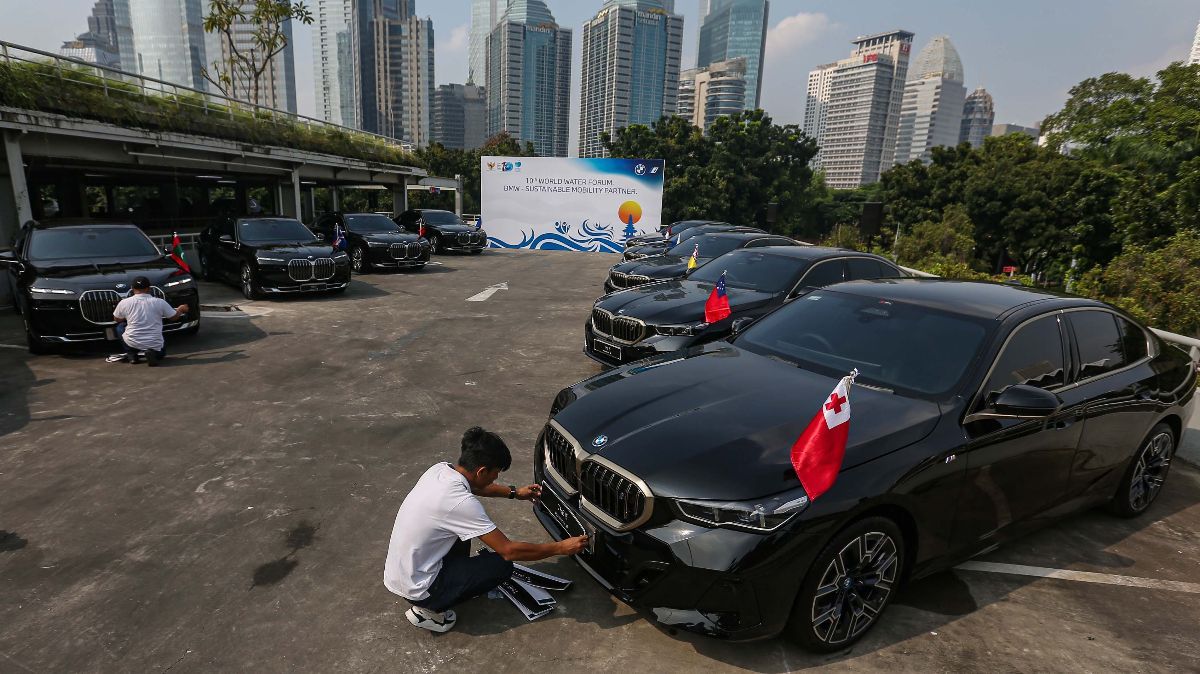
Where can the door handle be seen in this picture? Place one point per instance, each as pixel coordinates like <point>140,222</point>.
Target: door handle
<point>1061,424</point>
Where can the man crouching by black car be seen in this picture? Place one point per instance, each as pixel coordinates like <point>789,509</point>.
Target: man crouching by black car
<point>429,560</point>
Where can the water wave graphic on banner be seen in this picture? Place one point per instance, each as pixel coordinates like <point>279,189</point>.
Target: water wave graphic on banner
<point>592,238</point>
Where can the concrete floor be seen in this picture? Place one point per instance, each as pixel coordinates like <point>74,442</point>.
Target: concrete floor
<point>231,510</point>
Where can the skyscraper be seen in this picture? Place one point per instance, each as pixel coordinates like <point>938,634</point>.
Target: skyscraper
<point>713,91</point>
<point>978,115</point>
<point>485,14</point>
<point>277,84</point>
<point>459,116</point>
<point>529,78</point>
<point>333,61</point>
<point>932,110</point>
<point>630,74</point>
<point>163,40</point>
<point>99,44</point>
<point>394,69</point>
<point>736,29</point>
<point>816,107</point>
<point>1195,57</point>
<point>863,113</point>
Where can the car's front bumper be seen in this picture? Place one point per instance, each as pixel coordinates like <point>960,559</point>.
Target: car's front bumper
<point>688,576</point>
<point>604,353</point>
<point>275,281</point>
<point>381,258</point>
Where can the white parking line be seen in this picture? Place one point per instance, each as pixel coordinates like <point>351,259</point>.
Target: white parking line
<point>488,292</point>
<point>1081,576</point>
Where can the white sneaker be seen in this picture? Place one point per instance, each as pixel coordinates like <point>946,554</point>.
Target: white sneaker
<point>434,622</point>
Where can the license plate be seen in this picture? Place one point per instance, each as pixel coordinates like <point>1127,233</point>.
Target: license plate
<point>110,334</point>
<point>571,523</point>
<point>607,348</point>
<point>312,286</point>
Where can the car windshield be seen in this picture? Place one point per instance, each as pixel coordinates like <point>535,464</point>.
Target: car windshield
<point>910,349</point>
<point>74,243</point>
<point>441,218</point>
<point>711,245</point>
<point>753,269</point>
<point>273,230</point>
<point>371,223</point>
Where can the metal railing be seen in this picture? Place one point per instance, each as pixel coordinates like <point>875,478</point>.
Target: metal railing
<point>114,82</point>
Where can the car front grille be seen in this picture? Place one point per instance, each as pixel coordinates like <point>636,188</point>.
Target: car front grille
<point>471,238</point>
<point>623,280</point>
<point>621,328</point>
<point>614,494</point>
<point>405,251</point>
<point>97,306</point>
<point>561,454</point>
<point>321,269</point>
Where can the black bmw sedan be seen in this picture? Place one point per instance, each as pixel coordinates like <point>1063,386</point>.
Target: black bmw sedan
<point>267,256</point>
<point>669,315</point>
<point>660,247</point>
<point>667,232</point>
<point>444,230</point>
<point>674,263</point>
<point>374,241</point>
<point>981,411</point>
<point>69,276</point>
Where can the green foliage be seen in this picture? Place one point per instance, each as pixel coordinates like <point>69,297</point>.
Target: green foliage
<point>448,162</point>
<point>1160,287</point>
<point>730,172</point>
<point>949,240</point>
<point>80,93</point>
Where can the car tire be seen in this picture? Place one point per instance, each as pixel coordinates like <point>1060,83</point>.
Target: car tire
<point>859,572</point>
<point>1146,474</point>
<point>248,283</point>
<point>34,343</point>
<point>435,246</point>
<point>206,271</point>
<point>359,263</point>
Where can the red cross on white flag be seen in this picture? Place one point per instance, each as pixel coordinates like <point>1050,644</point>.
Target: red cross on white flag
<point>817,454</point>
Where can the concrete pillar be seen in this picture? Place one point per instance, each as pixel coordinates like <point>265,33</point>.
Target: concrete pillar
<point>398,194</point>
<point>333,198</point>
<point>20,188</point>
<point>458,195</point>
<point>296,193</point>
<point>404,191</point>
<point>312,203</point>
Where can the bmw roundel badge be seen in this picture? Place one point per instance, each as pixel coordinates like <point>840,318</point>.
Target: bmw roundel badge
<point>599,440</point>
<point>122,286</point>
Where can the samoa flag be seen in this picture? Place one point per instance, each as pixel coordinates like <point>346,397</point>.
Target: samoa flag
<point>717,306</point>
<point>339,238</point>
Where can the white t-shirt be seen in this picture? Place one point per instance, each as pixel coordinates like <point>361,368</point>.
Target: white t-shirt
<point>438,510</point>
<point>143,314</point>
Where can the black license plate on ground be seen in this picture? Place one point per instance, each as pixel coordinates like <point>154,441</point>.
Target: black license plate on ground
<point>566,518</point>
<point>607,348</point>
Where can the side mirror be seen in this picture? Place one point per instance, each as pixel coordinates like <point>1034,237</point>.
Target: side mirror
<point>320,236</point>
<point>226,238</point>
<point>739,325</point>
<point>1026,402</point>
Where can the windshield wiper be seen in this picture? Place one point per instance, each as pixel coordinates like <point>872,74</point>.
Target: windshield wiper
<point>782,359</point>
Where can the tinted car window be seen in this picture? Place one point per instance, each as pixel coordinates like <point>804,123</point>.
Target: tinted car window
<point>711,245</point>
<point>861,268</point>
<point>1133,341</point>
<point>370,224</point>
<point>89,242</point>
<point>753,270</point>
<point>441,218</point>
<point>910,349</point>
<point>888,271</point>
<point>825,273</point>
<point>273,231</point>
<point>1033,356</point>
<point>1099,342</point>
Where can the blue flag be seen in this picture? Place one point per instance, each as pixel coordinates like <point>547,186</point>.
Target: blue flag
<point>339,239</point>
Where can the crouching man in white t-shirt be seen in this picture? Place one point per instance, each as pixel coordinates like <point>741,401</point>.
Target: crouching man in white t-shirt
<point>429,562</point>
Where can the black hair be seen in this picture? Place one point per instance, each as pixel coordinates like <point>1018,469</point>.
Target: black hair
<point>483,449</point>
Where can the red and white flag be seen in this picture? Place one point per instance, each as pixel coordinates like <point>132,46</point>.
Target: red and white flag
<point>817,454</point>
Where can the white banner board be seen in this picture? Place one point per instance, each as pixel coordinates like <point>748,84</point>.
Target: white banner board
<point>557,203</point>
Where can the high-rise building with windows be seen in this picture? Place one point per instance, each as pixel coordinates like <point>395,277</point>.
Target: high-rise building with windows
<point>277,83</point>
<point>163,40</point>
<point>630,73</point>
<point>485,14</point>
<point>713,91</point>
<point>932,109</point>
<point>736,29</point>
<point>99,44</point>
<point>1010,129</point>
<point>1195,57</point>
<point>979,113</point>
<point>459,116</point>
<point>816,107</point>
<point>863,113</point>
<point>394,76</point>
<point>529,78</point>
<point>333,61</point>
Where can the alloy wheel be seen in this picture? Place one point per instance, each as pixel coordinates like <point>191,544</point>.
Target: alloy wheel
<point>854,588</point>
<point>1150,472</point>
<point>433,245</point>
<point>247,282</point>
<point>356,259</point>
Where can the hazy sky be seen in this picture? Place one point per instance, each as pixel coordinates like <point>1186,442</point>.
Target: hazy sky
<point>1027,53</point>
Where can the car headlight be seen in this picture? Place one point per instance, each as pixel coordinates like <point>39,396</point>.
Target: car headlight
<point>269,260</point>
<point>680,330</point>
<point>51,291</point>
<point>340,256</point>
<point>378,244</point>
<point>760,515</point>
<point>178,282</point>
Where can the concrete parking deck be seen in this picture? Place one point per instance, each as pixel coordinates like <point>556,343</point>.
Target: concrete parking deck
<point>231,510</point>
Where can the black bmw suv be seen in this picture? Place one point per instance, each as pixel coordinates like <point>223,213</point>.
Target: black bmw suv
<point>68,277</point>
<point>272,256</point>
<point>374,241</point>
<point>444,230</point>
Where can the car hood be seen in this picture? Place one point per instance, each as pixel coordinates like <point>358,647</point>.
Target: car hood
<point>295,250</point>
<point>718,422</point>
<point>103,274</point>
<point>648,249</point>
<point>677,302</point>
<point>392,237</point>
<point>659,266</point>
<point>451,229</point>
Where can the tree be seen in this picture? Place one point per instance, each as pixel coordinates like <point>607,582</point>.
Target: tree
<point>447,162</point>
<point>239,71</point>
<point>949,239</point>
